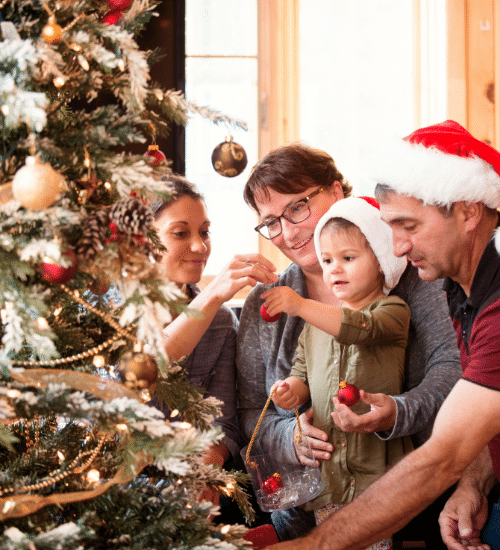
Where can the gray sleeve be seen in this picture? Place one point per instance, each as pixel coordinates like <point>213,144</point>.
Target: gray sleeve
<point>433,361</point>
<point>265,353</point>
<point>223,386</point>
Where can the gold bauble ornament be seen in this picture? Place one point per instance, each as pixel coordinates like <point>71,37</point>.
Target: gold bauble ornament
<point>52,32</point>
<point>229,159</point>
<point>138,370</point>
<point>36,185</point>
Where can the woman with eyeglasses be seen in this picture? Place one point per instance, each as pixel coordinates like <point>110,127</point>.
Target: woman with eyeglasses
<point>290,189</point>
<point>208,339</point>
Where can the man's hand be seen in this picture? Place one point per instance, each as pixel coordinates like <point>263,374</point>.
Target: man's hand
<point>462,519</point>
<point>317,439</point>
<point>382,415</point>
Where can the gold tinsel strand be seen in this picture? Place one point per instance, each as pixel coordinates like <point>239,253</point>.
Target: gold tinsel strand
<point>58,475</point>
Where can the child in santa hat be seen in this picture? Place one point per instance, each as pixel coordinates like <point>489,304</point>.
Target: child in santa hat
<point>362,340</point>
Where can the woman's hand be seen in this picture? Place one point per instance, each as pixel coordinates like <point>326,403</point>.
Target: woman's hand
<point>382,415</point>
<point>282,299</point>
<point>317,439</point>
<point>243,270</point>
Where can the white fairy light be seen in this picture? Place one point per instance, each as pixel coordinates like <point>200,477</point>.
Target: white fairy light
<point>98,361</point>
<point>42,323</point>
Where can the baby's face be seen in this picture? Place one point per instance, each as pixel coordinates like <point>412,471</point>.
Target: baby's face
<point>350,268</point>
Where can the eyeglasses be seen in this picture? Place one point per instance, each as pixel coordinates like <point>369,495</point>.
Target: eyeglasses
<point>294,213</point>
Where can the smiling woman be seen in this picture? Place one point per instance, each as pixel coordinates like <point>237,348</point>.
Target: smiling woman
<point>207,340</point>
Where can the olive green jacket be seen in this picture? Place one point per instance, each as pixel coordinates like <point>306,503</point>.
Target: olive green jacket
<point>370,353</point>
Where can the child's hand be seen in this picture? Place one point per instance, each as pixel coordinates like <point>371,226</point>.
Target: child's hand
<point>282,299</point>
<point>284,396</point>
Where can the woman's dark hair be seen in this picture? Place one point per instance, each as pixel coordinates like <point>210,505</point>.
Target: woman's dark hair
<point>292,169</point>
<point>181,187</point>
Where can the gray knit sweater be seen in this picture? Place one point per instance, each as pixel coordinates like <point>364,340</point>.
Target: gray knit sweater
<point>265,353</point>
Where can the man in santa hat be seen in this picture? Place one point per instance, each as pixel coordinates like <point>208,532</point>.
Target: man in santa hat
<point>439,191</point>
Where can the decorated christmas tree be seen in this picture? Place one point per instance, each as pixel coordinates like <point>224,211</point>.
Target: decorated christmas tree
<point>85,462</point>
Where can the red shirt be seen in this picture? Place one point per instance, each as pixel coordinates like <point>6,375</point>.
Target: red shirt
<point>477,322</point>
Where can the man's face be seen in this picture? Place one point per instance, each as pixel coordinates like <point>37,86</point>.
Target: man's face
<point>429,239</point>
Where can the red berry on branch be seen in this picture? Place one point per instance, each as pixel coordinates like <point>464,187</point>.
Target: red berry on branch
<point>348,394</point>
<point>265,315</point>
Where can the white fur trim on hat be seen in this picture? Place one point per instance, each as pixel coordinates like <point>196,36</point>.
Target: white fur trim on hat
<point>377,233</point>
<point>435,177</point>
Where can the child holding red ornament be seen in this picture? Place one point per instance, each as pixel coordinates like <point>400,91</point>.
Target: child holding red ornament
<point>361,343</point>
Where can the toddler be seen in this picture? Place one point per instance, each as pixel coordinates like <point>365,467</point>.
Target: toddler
<point>362,340</point>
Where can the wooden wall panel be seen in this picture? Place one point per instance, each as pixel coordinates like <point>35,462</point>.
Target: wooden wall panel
<point>481,70</point>
<point>473,48</point>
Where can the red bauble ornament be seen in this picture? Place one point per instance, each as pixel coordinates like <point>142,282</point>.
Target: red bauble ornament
<point>154,155</point>
<point>112,17</point>
<point>348,394</point>
<point>99,288</point>
<point>56,274</point>
<point>119,5</point>
<point>265,315</point>
<point>272,484</point>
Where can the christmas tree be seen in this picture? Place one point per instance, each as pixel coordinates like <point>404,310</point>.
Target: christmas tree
<point>85,462</point>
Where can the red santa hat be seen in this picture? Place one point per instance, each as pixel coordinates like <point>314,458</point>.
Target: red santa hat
<point>364,213</point>
<point>442,164</point>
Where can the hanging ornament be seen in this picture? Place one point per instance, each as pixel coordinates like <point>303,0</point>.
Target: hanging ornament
<point>52,32</point>
<point>119,5</point>
<point>154,155</point>
<point>54,273</point>
<point>99,288</point>
<point>36,185</point>
<point>112,17</point>
<point>272,484</point>
<point>229,158</point>
<point>137,370</point>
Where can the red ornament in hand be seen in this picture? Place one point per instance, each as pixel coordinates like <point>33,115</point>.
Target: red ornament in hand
<point>265,315</point>
<point>119,5</point>
<point>56,274</point>
<point>348,394</point>
<point>272,484</point>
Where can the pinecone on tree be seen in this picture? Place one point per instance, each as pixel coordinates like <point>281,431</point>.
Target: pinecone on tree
<point>95,228</point>
<point>131,216</point>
